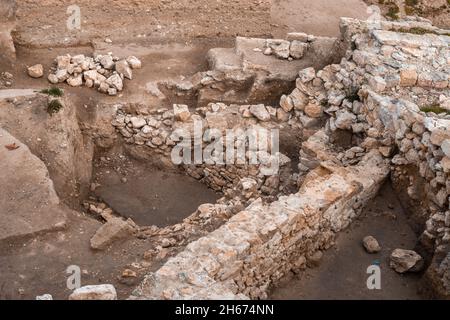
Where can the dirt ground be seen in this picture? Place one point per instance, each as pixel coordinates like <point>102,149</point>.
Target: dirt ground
<point>147,195</point>
<point>342,271</point>
<point>38,265</point>
<point>319,17</point>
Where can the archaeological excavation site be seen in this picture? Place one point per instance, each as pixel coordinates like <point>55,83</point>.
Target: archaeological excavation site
<point>224,150</point>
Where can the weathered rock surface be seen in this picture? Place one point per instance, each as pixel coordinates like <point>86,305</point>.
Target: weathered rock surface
<point>114,229</point>
<point>371,244</point>
<point>406,261</point>
<point>95,292</point>
<point>36,71</point>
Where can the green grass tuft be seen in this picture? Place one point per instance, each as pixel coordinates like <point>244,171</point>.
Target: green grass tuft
<point>53,91</point>
<point>393,12</point>
<point>54,106</point>
<point>353,96</point>
<point>412,3</point>
<point>419,31</point>
<point>435,109</point>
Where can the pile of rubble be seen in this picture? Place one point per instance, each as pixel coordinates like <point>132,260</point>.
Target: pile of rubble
<point>293,48</point>
<point>103,72</point>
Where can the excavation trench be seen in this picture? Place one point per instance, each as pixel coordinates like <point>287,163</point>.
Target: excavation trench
<point>145,193</point>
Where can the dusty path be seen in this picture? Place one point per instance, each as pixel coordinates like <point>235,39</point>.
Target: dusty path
<point>318,17</point>
<point>342,272</point>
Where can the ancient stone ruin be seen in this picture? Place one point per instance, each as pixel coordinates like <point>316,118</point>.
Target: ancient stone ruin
<point>89,177</point>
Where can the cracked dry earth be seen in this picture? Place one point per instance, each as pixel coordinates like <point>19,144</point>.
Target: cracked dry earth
<point>364,150</point>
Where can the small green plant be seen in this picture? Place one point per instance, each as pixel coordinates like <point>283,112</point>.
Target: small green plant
<point>412,3</point>
<point>419,31</point>
<point>54,106</point>
<point>53,91</point>
<point>409,11</point>
<point>416,30</point>
<point>435,109</point>
<point>393,12</point>
<point>353,96</point>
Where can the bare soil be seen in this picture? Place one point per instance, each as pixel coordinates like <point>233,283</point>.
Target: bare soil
<point>319,17</point>
<point>147,195</point>
<point>38,265</point>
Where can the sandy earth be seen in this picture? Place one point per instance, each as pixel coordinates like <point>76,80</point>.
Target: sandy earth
<point>37,266</point>
<point>150,196</point>
<point>342,271</point>
<point>318,17</point>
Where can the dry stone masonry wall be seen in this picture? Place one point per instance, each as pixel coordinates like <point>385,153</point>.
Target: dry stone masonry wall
<point>157,134</point>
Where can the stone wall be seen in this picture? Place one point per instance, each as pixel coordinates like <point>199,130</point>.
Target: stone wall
<point>259,245</point>
<point>157,134</point>
<point>391,93</point>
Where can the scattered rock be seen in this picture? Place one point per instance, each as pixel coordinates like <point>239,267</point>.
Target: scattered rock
<point>95,292</point>
<point>122,67</point>
<point>286,103</point>
<point>115,81</point>
<point>107,62</point>
<point>44,297</point>
<point>128,273</point>
<point>280,48</point>
<point>52,78</point>
<point>36,71</point>
<point>344,120</point>
<point>75,81</point>
<point>371,244</point>
<point>112,230</point>
<point>403,261</point>
<point>298,49</point>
